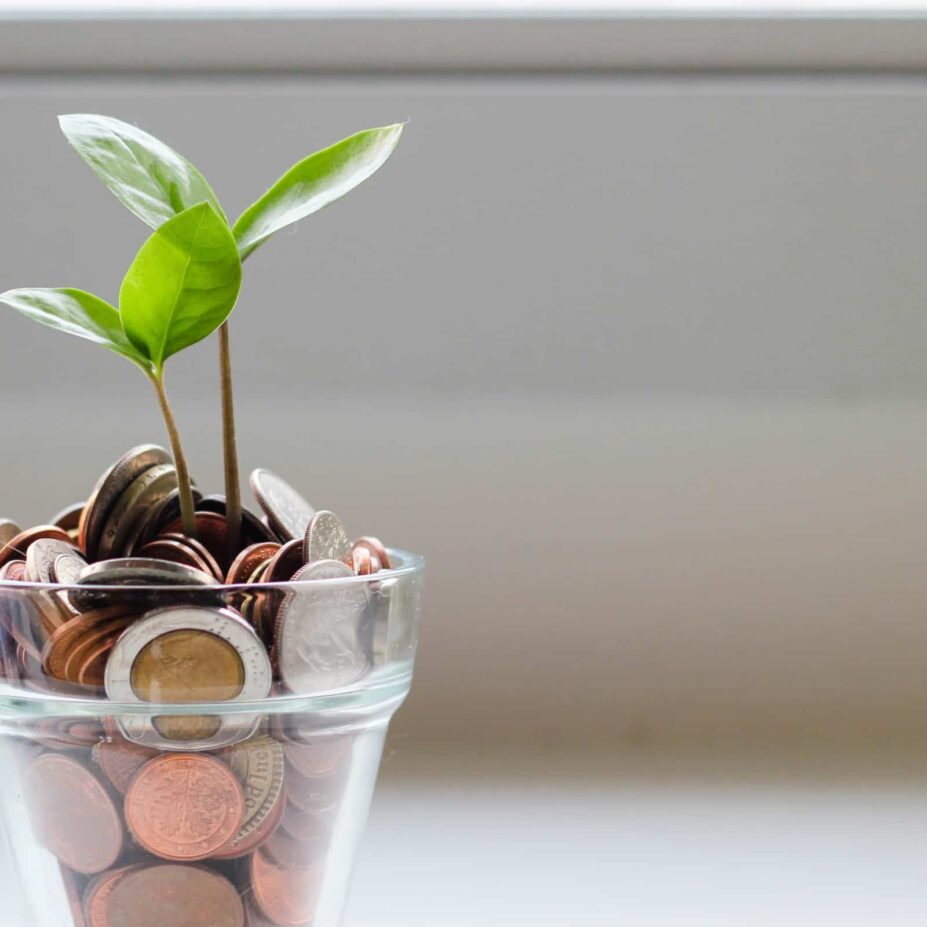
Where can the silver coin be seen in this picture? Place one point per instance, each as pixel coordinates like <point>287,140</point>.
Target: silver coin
<point>112,485</point>
<point>142,571</point>
<point>41,556</point>
<point>288,512</point>
<point>222,623</point>
<point>67,568</point>
<point>326,539</point>
<point>322,639</point>
<point>128,514</point>
<point>8,531</point>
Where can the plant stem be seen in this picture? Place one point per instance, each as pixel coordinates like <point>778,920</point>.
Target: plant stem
<point>229,446</point>
<point>187,515</point>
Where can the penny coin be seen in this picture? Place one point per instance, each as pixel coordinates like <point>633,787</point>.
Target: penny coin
<point>286,850</point>
<point>284,563</point>
<point>170,895</point>
<point>88,643</point>
<point>68,519</point>
<point>18,547</point>
<point>308,826</point>
<point>41,556</point>
<point>92,668</point>
<point>326,539</point>
<point>120,760</point>
<point>58,646</point>
<point>376,547</point>
<point>13,572</point>
<point>253,530</point>
<point>110,487</point>
<point>258,764</point>
<point>72,814</point>
<point>288,512</point>
<point>8,530</point>
<point>127,516</point>
<point>244,565</point>
<point>313,795</point>
<point>319,758</point>
<point>258,837</point>
<point>184,806</point>
<point>69,883</point>
<point>321,639</point>
<point>287,896</point>
<point>362,561</point>
<point>212,532</point>
<point>97,892</point>
<point>183,550</point>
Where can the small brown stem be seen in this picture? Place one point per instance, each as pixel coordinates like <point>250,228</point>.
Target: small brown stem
<point>187,514</point>
<point>230,449</point>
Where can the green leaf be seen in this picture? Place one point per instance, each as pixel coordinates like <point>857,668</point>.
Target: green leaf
<point>182,285</point>
<point>76,313</point>
<point>149,178</point>
<point>313,183</point>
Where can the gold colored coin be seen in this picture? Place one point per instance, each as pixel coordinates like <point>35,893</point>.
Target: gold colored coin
<point>187,666</point>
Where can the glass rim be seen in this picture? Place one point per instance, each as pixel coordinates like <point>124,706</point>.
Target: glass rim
<point>408,564</point>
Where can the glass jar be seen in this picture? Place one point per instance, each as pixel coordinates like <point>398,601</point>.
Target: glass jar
<point>161,769</point>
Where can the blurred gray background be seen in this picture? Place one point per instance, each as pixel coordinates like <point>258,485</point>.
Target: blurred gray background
<point>637,362</point>
<point>632,347</point>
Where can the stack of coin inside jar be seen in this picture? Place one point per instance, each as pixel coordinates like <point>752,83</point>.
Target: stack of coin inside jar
<point>187,819</point>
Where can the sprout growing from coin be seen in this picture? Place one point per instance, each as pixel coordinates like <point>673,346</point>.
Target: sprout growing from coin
<point>157,183</point>
<point>180,288</point>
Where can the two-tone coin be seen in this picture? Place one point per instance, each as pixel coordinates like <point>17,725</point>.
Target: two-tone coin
<point>188,654</point>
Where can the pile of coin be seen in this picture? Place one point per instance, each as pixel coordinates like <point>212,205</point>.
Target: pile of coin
<point>230,838</point>
<point>227,815</point>
<point>129,534</point>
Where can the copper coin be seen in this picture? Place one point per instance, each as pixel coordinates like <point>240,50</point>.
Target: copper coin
<point>245,564</point>
<point>97,893</point>
<point>14,571</point>
<point>211,532</point>
<point>18,547</point>
<point>68,519</point>
<point>319,758</point>
<point>72,814</point>
<point>88,642</point>
<point>285,850</point>
<point>376,547</point>
<point>258,837</point>
<point>110,487</point>
<point>286,895</point>
<point>120,760</point>
<point>306,826</point>
<point>180,552</point>
<point>315,795</point>
<point>197,549</point>
<point>8,530</point>
<point>69,884</point>
<point>362,561</point>
<point>253,530</point>
<point>57,648</point>
<point>92,669</point>
<point>174,896</point>
<point>184,806</point>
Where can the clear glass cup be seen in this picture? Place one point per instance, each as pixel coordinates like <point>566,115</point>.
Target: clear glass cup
<point>207,807</point>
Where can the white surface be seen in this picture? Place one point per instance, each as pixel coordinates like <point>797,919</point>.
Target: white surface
<point>705,848</point>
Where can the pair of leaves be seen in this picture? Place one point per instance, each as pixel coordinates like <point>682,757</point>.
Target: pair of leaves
<point>181,286</point>
<point>184,282</point>
<point>155,182</point>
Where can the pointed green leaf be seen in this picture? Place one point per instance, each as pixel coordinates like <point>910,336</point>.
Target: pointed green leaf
<point>149,178</point>
<point>182,285</point>
<point>76,313</point>
<point>313,183</point>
